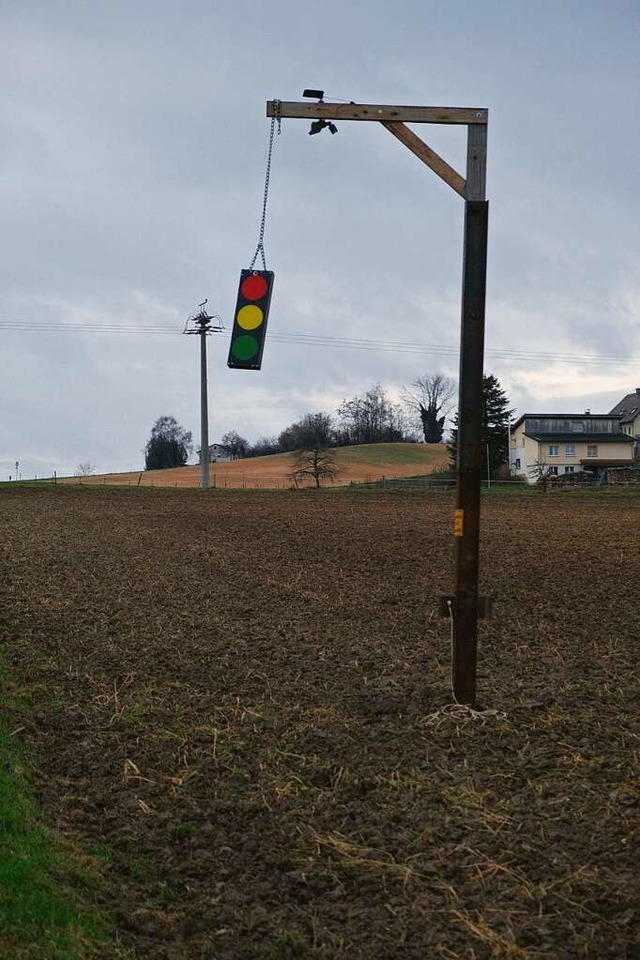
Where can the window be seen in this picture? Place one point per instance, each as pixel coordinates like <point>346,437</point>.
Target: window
<point>570,450</point>
<point>592,449</point>
<point>553,471</point>
<point>578,427</point>
<point>569,469</point>
<point>554,450</point>
<point>518,463</point>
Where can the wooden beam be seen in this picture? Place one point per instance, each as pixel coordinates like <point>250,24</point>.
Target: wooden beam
<point>476,162</point>
<point>368,111</point>
<point>433,160</point>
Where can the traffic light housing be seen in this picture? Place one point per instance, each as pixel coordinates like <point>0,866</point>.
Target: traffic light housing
<point>250,319</point>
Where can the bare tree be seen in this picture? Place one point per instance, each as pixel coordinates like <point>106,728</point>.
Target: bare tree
<point>429,400</point>
<point>84,469</point>
<point>263,447</point>
<point>316,462</point>
<point>235,444</point>
<point>541,474</point>
<point>313,430</point>
<point>370,418</point>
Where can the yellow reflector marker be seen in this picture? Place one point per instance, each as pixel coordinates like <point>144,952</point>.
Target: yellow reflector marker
<point>458,523</point>
<point>250,317</point>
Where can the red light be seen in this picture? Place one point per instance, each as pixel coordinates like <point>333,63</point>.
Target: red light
<point>254,288</point>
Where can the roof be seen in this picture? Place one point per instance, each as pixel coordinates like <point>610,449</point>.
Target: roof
<point>581,437</point>
<point>563,416</point>
<point>629,407</point>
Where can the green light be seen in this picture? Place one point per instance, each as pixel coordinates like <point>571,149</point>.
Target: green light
<point>244,347</point>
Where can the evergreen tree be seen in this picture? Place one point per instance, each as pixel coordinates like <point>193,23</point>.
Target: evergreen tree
<point>496,416</point>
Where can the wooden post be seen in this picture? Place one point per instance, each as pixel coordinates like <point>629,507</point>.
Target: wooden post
<point>469,452</point>
<point>470,409</point>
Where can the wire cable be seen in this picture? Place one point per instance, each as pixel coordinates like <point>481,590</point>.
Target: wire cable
<point>323,340</point>
<point>460,713</point>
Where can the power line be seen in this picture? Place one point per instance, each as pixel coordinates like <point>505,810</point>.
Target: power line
<point>325,340</point>
<point>417,347</point>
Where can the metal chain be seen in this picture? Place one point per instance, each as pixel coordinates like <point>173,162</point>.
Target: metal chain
<point>260,248</point>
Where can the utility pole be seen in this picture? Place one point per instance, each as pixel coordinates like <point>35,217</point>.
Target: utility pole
<point>202,327</point>
<point>465,606</point>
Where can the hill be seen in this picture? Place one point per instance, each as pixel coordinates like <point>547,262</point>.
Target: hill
<point>361,464</point>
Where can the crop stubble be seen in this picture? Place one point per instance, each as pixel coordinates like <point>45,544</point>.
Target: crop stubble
<point>233,698</point>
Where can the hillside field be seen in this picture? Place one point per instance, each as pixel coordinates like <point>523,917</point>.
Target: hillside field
<point>236,708</point>
<point>360,464</point>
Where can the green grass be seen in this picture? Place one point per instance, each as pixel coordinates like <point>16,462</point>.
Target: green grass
<point>47,909</point>
<point>420,454</point>
<point>603,491</point>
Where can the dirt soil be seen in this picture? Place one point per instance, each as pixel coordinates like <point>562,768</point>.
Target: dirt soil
<point>235,704</point>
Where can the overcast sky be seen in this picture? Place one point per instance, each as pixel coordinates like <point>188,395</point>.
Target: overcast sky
<point>134,141</point>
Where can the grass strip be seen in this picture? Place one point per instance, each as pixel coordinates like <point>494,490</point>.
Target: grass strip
<point>46,908</point>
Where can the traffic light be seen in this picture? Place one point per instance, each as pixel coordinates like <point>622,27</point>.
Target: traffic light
<point>250,319</point>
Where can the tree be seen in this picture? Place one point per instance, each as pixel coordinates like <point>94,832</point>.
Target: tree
<point>496,421</point>
<point>316,462</point>
<point>84,469</point>
<point>371,418</point>
<point>494,437</point>
<point>313,430</point>
<point>540,473</point>
<point>168,446</point>
<point>235,444</point>
<point>263,447</point>
<point>429,401</point>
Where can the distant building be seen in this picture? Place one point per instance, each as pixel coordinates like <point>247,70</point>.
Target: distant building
<point>566,443</point>
<point>217,452</point>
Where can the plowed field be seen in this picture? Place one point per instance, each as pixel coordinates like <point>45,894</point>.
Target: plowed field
<point>234,701</point>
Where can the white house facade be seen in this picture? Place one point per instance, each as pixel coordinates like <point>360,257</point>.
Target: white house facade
<point>559,444</point>
<point>217,452</point>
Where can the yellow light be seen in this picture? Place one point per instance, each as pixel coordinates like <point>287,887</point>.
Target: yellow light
<point>250,317</point>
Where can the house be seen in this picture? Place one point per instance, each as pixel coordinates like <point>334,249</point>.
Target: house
<point>628,410</point>
<point>565,443</point>
<point>217,452</point>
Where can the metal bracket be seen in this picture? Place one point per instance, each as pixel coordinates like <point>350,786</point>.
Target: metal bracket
<point>447,606</point>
